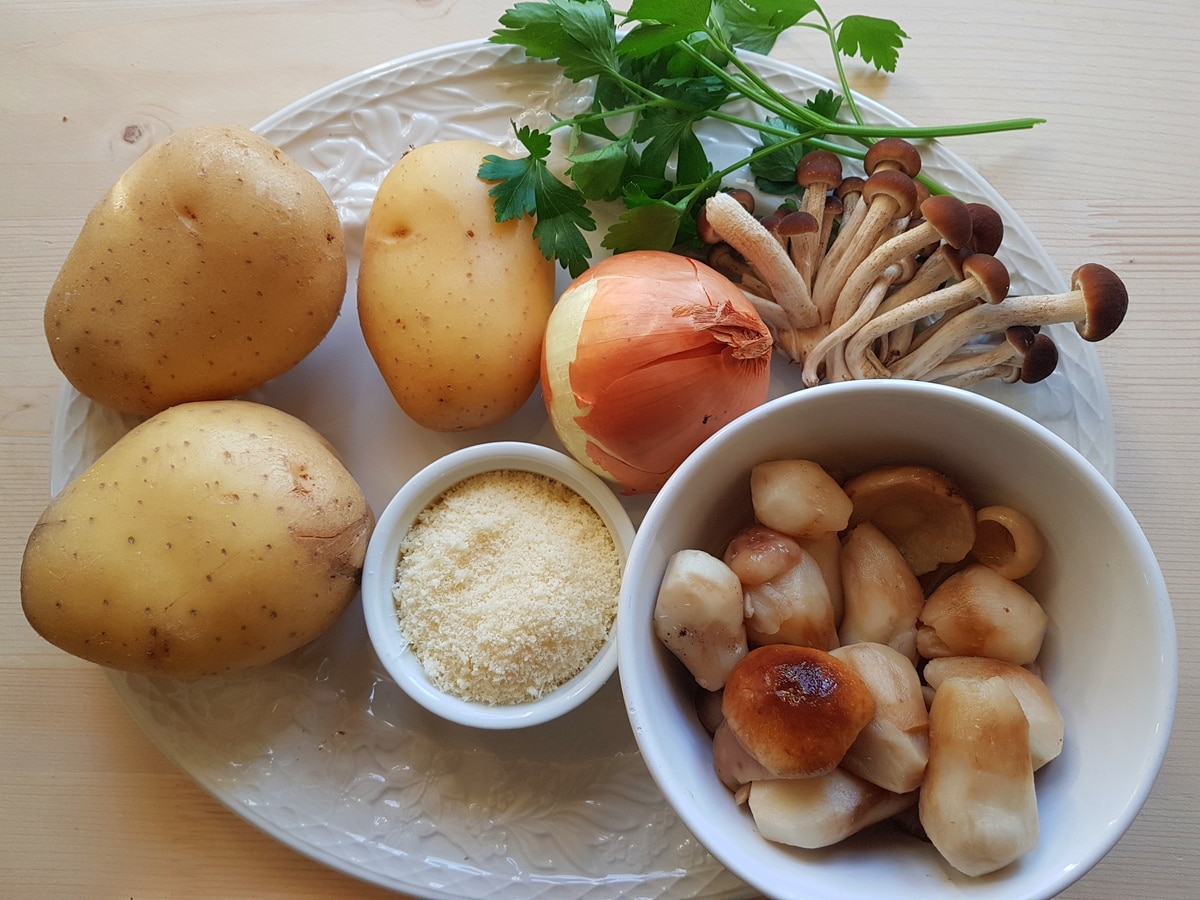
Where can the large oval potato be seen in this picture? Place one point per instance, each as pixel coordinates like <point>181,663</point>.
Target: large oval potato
<point>452,304</point>
<point>214,263</point>
<point>213,537</point>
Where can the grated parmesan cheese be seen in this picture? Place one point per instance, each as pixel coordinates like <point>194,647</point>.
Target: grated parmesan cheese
<point>506,587</point>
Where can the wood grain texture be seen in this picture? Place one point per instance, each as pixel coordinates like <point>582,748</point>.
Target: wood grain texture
<point>89,806</point>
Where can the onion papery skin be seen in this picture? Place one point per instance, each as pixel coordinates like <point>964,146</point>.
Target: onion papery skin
<point>646,355</point>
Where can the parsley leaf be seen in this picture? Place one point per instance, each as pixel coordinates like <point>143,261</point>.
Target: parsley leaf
<point>876,41</point>
<point>527,187</point>
<point>601,174</point>
<point>652,225</point>
<point>755,25</point>
<point>579,36</point>
<point>675,66</point>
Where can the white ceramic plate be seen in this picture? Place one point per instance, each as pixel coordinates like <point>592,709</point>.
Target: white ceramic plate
<point>322,750</point>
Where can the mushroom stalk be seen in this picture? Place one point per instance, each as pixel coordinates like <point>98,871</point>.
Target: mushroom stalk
<point>742,231</point>
<point>842,331</point>
<point>1096,304</point>
<point>818,172</point>
<point>983,276</point>
<point>887,195</point>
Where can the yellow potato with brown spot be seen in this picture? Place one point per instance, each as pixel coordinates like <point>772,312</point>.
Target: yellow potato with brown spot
<point>452,304</point>
<point>215,263</point>
<point>213,537</point>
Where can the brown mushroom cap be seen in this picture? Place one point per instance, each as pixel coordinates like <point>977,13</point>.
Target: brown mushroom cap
<point>991,275</point>
<point>819,167</point>
<point>987,228</point>
<point>851,184</point>
<point>1105,301</point>
<point>1039,353</point>
<point>922,511</point>
<point>893,153</point>
<point>797,222</point>
<point>795,709</point>
<point>896,185</point>
<point>950,217</point>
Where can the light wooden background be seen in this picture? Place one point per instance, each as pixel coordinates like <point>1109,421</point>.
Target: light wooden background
<point>89,808</point>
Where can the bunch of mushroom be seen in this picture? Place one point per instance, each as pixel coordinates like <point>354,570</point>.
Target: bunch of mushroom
<point>875,278</point>
<point>865,651</point>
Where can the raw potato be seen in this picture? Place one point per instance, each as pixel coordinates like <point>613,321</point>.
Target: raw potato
<point>214,263</point>
<point>213,537</point>
<point>452,304</point>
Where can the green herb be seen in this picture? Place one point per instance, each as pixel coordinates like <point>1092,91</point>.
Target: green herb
<point>676,67</point>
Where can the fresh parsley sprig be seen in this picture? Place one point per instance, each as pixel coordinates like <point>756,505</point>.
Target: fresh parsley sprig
<point>653,84</point>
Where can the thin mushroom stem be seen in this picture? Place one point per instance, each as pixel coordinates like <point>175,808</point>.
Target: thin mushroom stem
<point>941,266</point>
<point>1034,355</point>
<point>888,194</point>
<point>770,312</point>
<point>853,210</point>
<point>840,333</point>
<point>946,219</point>
<point>983,355</point>
<point>1009,373</point>
<point>818,172</point>
<point>983,276</point>
<point>724,259</point>
<point>1096,304</point>
<point>742,231</point>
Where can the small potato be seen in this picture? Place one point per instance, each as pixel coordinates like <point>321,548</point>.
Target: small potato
<point>214,263</point>
<point>452,304</point>
<point>213,537</point>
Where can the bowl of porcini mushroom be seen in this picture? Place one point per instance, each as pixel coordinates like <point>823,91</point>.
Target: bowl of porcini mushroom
<point>894,639</point>
<point>491,584</point>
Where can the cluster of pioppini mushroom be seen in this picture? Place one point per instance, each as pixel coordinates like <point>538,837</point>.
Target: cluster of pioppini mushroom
<point>865,651</point>
<point>872,277</point>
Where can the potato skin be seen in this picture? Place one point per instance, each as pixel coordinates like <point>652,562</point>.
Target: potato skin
<point>213,537</point>
<point>215,263</point>
<point>452,304</point>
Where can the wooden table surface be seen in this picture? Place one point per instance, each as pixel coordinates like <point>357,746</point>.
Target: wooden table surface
<point>89,807</point>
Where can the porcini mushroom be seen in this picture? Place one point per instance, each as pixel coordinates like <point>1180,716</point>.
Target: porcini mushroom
<point>811,813</point>
<point>977,803</point>
<point>796,710</point>
<point>881,597</point>
<point>979,612</point>
<point>893,749</point>
<point>792,608</point>
<point>798,497</point>
<point>922,511</point>
<point>1096,304</point>
<point>699,616</point>
<point>1007,540</point>
<point>757,554</point>
<point>733,763</point>
<point>1045,720</point>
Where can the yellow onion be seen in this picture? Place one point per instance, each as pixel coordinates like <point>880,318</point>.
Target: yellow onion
<point>646,355</point>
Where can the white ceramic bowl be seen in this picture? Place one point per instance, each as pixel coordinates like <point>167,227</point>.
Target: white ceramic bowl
<point>1109,656</point>
<point>379,573</point>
